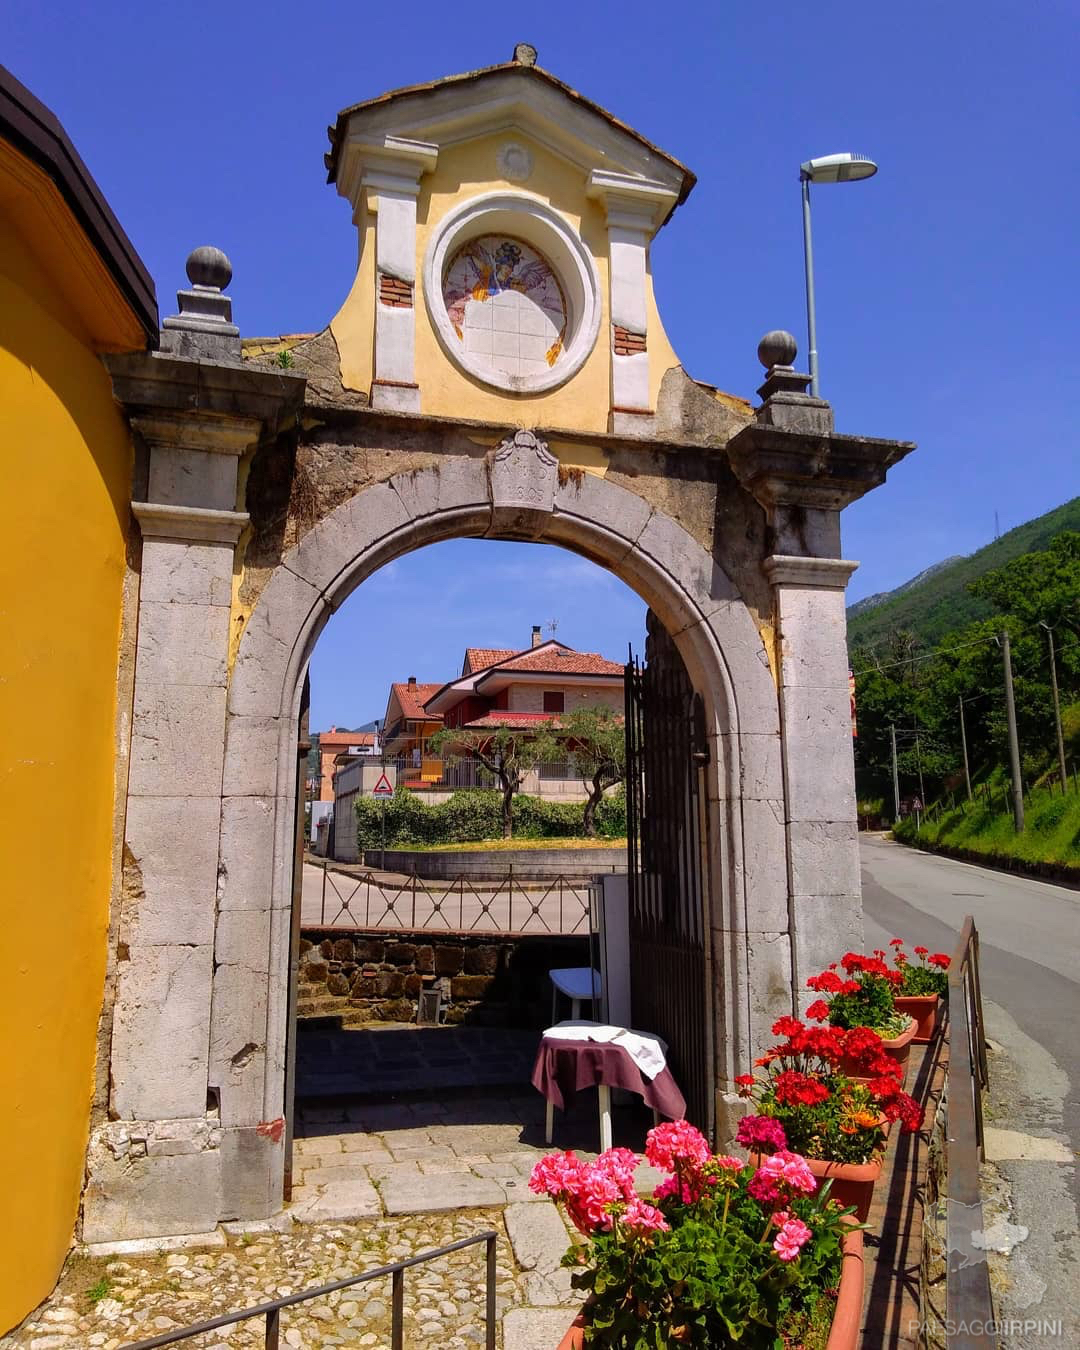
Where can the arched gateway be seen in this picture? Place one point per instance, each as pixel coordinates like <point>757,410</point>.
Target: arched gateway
<point>502,282</point>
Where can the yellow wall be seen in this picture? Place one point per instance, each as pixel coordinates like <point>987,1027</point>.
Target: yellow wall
<point>65,472</point>
<point>464,171</point>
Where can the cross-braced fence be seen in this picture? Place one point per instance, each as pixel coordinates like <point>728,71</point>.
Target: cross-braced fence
<point>504,903</point>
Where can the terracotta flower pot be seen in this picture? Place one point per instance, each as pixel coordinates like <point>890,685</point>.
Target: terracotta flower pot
<point>924,1009</point>
<point>899,1047</point>
<point>847,1316</point>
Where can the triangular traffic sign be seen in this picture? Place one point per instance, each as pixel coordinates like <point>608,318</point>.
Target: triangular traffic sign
<point>382,788</point>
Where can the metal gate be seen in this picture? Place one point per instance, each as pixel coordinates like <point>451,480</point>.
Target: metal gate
<point>670,964</point>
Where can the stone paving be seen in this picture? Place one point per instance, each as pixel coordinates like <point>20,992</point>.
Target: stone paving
<point>375,1181</point>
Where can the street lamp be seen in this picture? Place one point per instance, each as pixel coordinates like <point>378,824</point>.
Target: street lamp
<point>842,168</point>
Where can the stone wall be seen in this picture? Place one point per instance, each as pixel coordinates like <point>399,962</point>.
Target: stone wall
<point>488,979</point>
<point>527,864</point>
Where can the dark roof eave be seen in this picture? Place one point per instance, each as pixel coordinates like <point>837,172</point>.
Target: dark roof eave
<point>37,133</point>
<point>689,178</point>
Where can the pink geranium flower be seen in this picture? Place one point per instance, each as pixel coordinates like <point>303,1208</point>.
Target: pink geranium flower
<point>791,1239</point>
<point>675,1142</point>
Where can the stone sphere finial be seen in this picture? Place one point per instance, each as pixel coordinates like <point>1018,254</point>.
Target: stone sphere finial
<point>208,266</point>
<point>525,54</point>
<point>777,348</point>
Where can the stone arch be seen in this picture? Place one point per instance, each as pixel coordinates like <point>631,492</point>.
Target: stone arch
<point>691,595</point>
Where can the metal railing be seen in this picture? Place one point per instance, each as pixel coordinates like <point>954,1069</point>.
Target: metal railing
<point>272,1311</point>
<point>501,903</point>
<point>968,1301</point>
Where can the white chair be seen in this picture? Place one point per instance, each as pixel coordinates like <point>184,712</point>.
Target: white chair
<point>578,983</point>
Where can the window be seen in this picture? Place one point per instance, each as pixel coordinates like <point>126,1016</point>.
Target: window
<point>553,700</point>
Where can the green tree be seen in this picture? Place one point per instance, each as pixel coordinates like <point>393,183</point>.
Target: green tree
<point>506,752</point>
<point>597,740</point>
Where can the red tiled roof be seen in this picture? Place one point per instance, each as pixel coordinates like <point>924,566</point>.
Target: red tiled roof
<point>515,721</point>
<point>479,658</point>
<point>561,662</point>
<point>412,697</point>
<point>328,740</point>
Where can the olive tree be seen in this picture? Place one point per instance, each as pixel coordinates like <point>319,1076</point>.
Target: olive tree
<point>508,753</point>
<point>596,738</point>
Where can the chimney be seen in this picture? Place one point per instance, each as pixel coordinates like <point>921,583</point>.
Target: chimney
<point>536,639</point>
<point>412,681</point>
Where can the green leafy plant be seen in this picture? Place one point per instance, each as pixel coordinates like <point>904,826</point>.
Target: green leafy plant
<point>102,1289</point>
<point>284,359</point>
<point>725,1254</point>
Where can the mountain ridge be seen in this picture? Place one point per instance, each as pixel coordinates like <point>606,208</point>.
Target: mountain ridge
<point>936,601</point>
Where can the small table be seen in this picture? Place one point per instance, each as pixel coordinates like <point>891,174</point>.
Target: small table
<point>578,983</point>
<point>564,1067</point>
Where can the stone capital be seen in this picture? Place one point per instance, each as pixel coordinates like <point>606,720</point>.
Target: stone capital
<point>198,431</point>
<point>192,523</point>
<point>390,163</point>
<point>781,466</point>
<point>631,203</point>
<point>821,574</point>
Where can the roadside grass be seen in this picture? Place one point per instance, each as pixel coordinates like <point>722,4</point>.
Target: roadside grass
<point>1050,838</point>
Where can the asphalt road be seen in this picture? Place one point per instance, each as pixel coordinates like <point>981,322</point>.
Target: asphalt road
<point>1030,962</point>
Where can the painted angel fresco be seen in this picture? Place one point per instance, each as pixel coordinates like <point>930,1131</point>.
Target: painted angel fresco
<point>492,266</point>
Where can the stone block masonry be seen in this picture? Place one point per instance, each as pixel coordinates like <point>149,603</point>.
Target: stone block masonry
<point>489,979</point>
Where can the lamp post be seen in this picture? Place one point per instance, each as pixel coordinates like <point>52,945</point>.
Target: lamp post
<point>842,168</point>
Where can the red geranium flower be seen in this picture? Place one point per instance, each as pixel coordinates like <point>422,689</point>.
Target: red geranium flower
<point>787,1026</point>
<point>818,1011</point>
<point>921,951</point>
<point>896,942</point>
<point>940,959</point>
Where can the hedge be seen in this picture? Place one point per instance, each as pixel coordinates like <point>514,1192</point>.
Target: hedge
<point>475,814</point>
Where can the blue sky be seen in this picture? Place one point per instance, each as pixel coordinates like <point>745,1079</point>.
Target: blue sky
<point>946,285</point>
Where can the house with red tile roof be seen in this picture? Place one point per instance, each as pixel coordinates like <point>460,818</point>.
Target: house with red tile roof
<point>496,687</point>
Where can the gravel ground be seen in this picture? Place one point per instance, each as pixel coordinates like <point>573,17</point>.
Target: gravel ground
<point>109,1303</point>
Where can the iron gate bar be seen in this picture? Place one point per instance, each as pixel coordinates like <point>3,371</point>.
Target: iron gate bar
<point>670,966</point>
<point>272,1311</point>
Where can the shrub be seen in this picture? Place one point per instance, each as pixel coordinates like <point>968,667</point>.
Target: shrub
<point>475,814</point>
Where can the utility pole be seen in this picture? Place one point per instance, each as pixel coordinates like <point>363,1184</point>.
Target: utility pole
<point>1057,708</point>
<point>895,775</point>
<point>918,764</point>
<point>1014,743</point>
<point>963,742</point>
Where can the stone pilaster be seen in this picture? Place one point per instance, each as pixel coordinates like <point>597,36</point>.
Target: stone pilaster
<point>384,180</point>
<point>818,762</point>
<point>803,474</point>
<point>164,1162</point>
<point>635,208</point>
